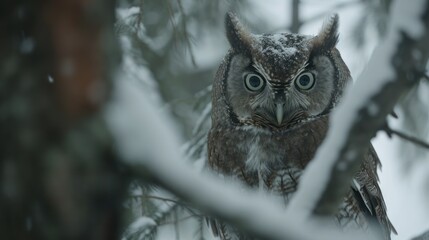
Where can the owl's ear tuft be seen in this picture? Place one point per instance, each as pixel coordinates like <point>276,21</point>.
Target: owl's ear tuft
<point>328,36</point>
<point>239,37</point>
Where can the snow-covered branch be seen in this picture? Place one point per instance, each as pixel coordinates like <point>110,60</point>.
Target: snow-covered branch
<point>394,68</point>
<point>150,146</point>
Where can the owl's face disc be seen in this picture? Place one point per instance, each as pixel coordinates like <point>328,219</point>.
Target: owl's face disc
<point>276,81</point>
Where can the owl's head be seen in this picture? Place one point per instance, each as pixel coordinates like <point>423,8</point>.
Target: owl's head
<point>278,80</point>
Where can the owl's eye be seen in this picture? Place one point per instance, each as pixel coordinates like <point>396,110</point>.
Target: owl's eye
<point>305,81</point>
<point>253,82</point>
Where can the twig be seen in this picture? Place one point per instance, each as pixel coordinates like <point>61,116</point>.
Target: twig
<point>317,16</point>
<point>407,137</point>
<point>176,224</point>
<point>336,7</point>
<point>180,219</point>
<point>186,34</point>
<point>168,200</point>
<point>296,23</point>
<point>163,199</point>
<point>199,233</point>
<point>180,203</point>
<point>140,16</point>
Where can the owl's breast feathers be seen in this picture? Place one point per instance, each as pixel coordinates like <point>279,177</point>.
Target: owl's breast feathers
<point>276,160</point>
<point>229,146</point>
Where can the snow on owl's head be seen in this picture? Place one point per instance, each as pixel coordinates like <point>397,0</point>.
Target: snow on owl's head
<point>278,80</point>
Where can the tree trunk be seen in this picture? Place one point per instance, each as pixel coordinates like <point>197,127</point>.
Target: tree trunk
<point>59,174</point>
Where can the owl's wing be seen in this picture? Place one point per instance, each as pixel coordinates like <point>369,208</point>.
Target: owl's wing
<point>368,196</point>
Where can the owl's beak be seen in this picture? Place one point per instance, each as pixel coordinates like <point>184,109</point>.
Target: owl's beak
<point>279,113</point>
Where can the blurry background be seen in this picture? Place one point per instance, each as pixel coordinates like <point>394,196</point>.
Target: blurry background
<point>173,48</point>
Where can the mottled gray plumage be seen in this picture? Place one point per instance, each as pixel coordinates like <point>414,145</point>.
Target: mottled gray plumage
<point>271,100</point>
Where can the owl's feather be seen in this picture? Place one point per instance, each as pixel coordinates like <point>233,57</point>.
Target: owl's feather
<point>328,36</point>
<point>240,39</point>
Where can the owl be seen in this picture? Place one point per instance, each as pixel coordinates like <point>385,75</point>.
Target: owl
<point>271,101</point>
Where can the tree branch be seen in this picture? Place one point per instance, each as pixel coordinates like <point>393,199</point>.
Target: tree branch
<point>185,32</point>
<point>149,146</point>
<point>295,23</point>
<point>392,71</point>
<point>405,136</point>
<point>337,7</point>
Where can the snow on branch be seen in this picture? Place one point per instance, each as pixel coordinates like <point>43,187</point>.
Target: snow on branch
<point>149,144</point>
<point>396,65</point>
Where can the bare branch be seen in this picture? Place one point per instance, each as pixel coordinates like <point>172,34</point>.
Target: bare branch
<point>296,23</point>
<point>162,199</point>
<point>177,202</point>
<point>337,7</point>
<point>405,136</point>
<point>185,32</point>
<point>177,220</point>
